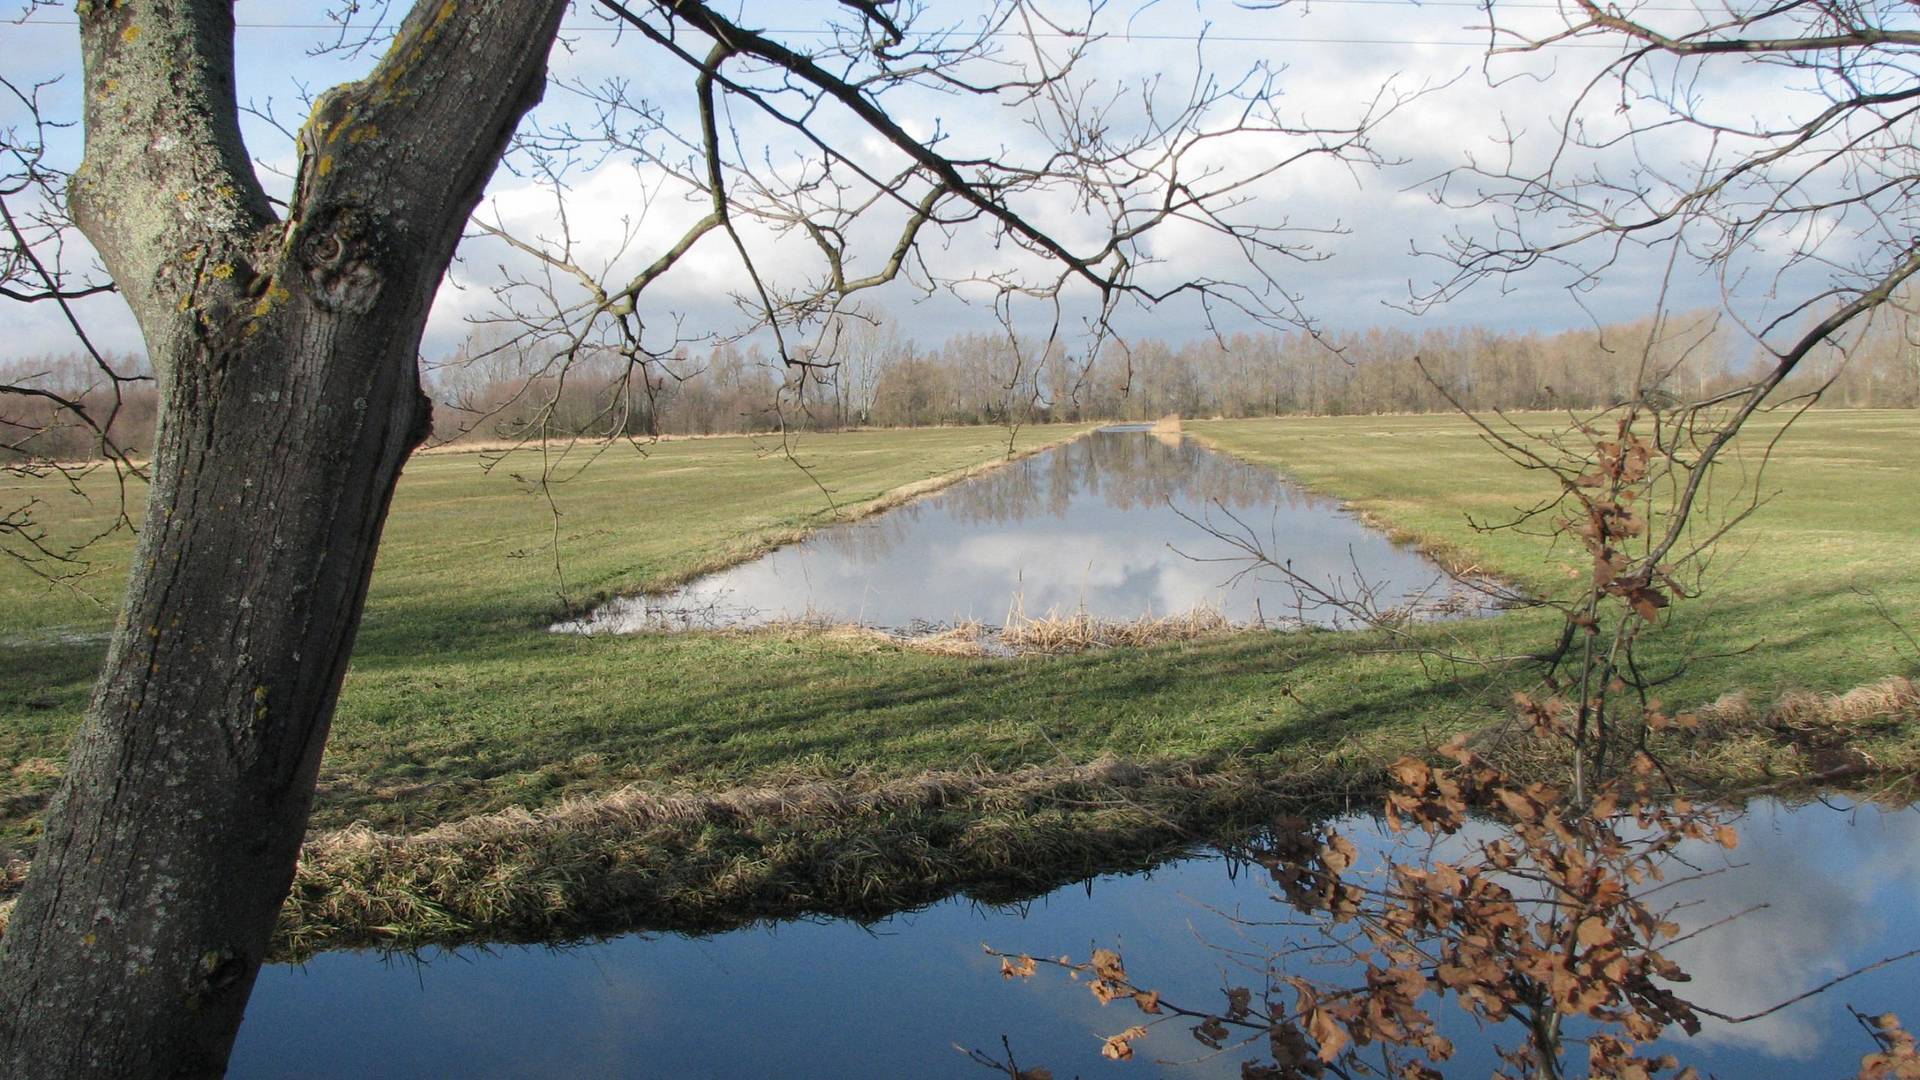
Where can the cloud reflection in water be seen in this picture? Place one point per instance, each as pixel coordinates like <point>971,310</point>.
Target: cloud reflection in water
<point>1111,524</point>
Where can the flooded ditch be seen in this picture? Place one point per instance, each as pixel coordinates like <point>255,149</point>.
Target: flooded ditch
<point>1812,892</point>
<point>1121,525</point>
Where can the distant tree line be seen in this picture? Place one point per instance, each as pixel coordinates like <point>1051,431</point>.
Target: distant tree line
<point>35,427</point>
<point>867,373</point>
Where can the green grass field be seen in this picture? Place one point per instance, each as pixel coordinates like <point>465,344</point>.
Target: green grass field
<point>1793,589</point>
<point>459,702</point>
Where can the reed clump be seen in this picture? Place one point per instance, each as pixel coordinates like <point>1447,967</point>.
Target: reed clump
<point>1050,634</point>
<point>967,638</point>
<point>1055,633</point>
<point>1167,430</point>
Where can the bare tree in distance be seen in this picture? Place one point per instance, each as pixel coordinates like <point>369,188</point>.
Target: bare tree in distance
<point>1770,146</point>
<point>284,335</point>
<point>1122,162</point>
<point>1662,167</point>
<point>34,269</point>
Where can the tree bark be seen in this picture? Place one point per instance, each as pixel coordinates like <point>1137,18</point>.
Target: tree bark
<point>286,352</point>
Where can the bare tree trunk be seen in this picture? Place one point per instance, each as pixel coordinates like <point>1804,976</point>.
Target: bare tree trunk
<point>287,357</point>
<point>173,840</point>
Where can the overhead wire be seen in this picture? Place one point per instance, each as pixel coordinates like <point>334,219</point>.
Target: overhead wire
<point>1116,36</point>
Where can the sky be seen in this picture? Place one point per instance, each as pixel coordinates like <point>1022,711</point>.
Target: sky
<point>1369,224</point>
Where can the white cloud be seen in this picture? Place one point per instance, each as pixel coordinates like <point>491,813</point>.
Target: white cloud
<point>1334,58</point>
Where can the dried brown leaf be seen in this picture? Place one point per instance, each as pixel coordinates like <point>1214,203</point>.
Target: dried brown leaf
<point>1120,1047</point>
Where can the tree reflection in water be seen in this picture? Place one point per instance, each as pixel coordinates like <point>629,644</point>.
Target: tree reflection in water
<point>1557,928</point>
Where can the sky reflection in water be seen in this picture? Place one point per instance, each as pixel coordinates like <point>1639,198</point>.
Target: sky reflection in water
<point>1095,525</point>
<point>832,999</point>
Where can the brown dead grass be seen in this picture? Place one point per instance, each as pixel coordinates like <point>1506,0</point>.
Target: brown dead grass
<point>1054,633</point>
<point>1888,699</point>
<point>854,845</point>
<point>1167,430</point>
<point>38,768</point>
<point>1731,711</point>
<point>969,638</point>
<point>961,639</point>
<point>1802,715</point>
<point>1802,739</point>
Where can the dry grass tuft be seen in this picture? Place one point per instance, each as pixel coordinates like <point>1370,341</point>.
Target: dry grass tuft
<point>1050,634</point>
<point>38,768</point>
<point>968,638</point>
<point>1733,744</point>
<point>808,625</point>
<point>1167,430</point>
<point>1055,633</point>
<point>1889,699</point>
<point>1731,711</point>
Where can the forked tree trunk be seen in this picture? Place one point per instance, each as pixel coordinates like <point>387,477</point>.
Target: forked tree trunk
<point>286,353</point>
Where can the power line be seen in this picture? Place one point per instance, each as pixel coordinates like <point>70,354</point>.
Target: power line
<point>1248,39</point>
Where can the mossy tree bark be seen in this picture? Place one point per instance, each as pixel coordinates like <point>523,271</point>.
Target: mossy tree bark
<point>286,352</point>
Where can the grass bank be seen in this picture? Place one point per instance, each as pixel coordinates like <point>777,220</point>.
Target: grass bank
<point>458,704</point>
<point>859,846</point>
<point>454,680</point>
<point>1815,591</point>
<point>864,845</point>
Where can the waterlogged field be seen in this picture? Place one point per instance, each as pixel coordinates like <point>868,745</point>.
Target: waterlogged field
<point>459,702</point>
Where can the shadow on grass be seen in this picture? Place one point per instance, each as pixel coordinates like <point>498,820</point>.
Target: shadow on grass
<point>477,711</point>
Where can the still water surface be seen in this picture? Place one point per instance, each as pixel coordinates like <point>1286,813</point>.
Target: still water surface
<point>1115,524</point>
<point>1840,888</point>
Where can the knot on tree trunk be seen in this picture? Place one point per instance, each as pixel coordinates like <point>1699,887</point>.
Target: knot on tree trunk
<point>339,256</point>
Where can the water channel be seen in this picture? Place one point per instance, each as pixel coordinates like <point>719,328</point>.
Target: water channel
<point>1120,524</point>
<point>1824,888</point>
<point>1114,525</point>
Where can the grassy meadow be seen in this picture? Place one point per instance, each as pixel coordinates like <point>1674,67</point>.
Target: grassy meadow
<point>1796,596</point>
<point>458,702</point>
